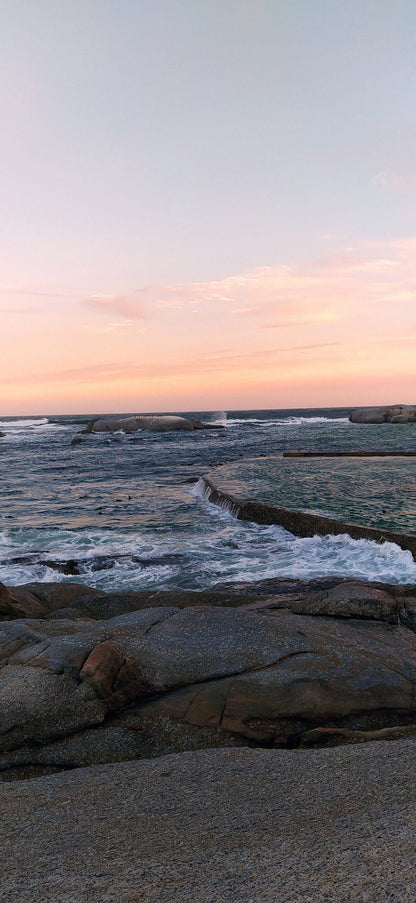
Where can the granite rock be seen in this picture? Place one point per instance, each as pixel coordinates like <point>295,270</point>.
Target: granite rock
<point>338,656</point>
<point>156,424</point>
<point>217,826</point>
<point>402,413</point>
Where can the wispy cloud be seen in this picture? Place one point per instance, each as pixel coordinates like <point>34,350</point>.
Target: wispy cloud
<point>391,182</point>
<point>325,290</point>
<point>203,363</point>
<point>350,312</point>
<point>123,305</point>
<point>19,310</point>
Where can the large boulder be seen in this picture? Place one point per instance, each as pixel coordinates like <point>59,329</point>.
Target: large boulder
<point>357,674</point>
<point>37,705</point>
<point>402,413</point>
<point>35,600</point>
<point>352,599</point>
<point>267,671</point>
<point>18,602</point>
<point>155,424</point>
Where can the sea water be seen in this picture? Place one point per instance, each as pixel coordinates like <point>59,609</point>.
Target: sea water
<point>123,511</point>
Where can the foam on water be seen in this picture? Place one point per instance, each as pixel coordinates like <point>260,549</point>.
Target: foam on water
<point>121,509</point>
<point>23,424</point>
<point>285,421</point>
<point>224,549</point>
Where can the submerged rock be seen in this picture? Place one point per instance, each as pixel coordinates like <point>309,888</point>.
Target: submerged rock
<point>402,413</point>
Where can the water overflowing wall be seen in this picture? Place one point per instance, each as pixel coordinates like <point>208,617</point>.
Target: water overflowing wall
<point>297,522</point>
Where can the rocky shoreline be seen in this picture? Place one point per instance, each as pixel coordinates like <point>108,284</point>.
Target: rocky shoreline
<point>169,741</point>
<point>91,678</point>
<point>217,826</point>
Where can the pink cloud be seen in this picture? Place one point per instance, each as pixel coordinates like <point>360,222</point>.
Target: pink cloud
<point>324,290</point>
<point>122,305</point>
<point>346,314</point>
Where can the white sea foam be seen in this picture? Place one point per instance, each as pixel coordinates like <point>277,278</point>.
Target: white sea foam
<point>24,424</point>
<point>221,549</point>
<point>285,421</point>
<point>219,417</point>
<point>30,428</point>
<point>294,421</point>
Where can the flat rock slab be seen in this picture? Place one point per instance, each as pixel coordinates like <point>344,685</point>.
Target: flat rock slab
<point>228,826</point>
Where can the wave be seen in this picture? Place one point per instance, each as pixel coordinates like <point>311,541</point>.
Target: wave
<point>221,549</point>
<point>299,523</point>
<point>218,417</point>
<point>285,421</point>
<point>24,423</point>
<point>296,420</point>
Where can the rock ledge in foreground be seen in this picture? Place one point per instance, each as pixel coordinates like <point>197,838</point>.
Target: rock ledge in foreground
<point>223,826</point>
<point>283,663</point>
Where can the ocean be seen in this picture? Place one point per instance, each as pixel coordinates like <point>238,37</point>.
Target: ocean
<point>127,512</point>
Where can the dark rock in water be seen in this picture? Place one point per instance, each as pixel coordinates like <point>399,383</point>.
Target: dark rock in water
<point>78,440</point>
<point>71,567</point>
<point>153,423</point>
<point>89,427</point>
<point>401,413</point>
<point>2,435</point>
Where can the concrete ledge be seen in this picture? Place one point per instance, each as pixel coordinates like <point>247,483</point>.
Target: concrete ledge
<point>297,522</point>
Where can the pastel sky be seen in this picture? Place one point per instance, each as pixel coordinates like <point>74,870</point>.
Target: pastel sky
<point>207,204</point>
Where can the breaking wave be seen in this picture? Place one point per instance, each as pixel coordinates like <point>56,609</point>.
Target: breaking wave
<point>220,549</point>
<point>23,424</point>
<point>285,421</point>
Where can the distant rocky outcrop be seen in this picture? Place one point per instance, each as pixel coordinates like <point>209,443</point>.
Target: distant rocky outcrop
<point>89,678</point>
<point>155,424</point>
<point>400,413</point>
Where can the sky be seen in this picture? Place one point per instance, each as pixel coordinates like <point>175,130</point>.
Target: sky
<point>207,204</point>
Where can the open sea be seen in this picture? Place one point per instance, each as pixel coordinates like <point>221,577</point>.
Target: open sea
<point>121,511</point>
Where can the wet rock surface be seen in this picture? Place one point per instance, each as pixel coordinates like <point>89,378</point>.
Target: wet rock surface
<point>92,677</point>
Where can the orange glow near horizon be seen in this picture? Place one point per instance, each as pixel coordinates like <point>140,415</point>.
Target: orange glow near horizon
<point>337,331</point>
